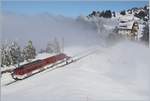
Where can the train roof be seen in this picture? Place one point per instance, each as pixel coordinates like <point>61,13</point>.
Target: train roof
<point>34,62</point>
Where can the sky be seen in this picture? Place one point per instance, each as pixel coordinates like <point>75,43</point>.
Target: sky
<point>67,8</point>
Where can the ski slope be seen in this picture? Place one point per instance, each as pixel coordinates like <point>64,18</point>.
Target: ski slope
<point>120,72</point>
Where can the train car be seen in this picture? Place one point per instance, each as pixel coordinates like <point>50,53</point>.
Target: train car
<point>37,66</point>
<point>56,59</point>
<point>27,69</point>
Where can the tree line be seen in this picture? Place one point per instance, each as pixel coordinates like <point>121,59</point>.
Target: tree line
<point>105,14</point>
<point>13,54</point>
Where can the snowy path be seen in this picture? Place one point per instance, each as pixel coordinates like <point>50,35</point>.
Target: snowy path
<point>94,78</point>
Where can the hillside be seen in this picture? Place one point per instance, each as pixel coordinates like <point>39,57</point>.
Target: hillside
<point>107,72</point>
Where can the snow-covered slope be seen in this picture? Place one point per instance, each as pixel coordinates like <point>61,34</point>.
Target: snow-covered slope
<point>120,72</point>
<point>114,72</point>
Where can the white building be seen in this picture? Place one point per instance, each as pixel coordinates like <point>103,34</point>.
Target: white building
<point>128,26</point>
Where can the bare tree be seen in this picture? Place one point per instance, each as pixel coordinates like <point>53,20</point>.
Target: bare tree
<point>53,47</point>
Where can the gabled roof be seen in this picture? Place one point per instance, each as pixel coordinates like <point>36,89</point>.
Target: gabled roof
<point>127,17</point>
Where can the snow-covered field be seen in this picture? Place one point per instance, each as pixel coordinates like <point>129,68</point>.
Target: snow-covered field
<point>120,72</point>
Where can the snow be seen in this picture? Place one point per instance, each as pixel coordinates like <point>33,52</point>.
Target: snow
<point>120,72</point>
<point>127,17</point>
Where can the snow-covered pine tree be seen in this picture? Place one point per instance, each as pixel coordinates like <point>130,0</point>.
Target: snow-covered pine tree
<point>29,52</point>
<point>6,59</point>
<point>15,53</point>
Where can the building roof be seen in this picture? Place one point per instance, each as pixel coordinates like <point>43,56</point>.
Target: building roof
<point>126,22</point>
<point>126,25</point>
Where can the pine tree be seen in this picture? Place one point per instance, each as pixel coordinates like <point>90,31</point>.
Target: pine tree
<point>29,52</point>
<point>145,36</point>
<point>102,14</point>
<point>123,12</point>
<point>93,13</point>
<point>15,53</point>
<point>6,59</point>
<point>114,14</point>
<point>108,14</point>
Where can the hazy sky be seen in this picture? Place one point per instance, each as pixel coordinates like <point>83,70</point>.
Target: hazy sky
<point>67,8</point>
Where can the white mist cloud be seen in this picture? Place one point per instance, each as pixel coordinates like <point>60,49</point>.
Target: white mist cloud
<point>44,27</point>
<point>130,66</point>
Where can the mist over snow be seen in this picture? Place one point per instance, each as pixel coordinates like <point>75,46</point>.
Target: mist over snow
<point>116,71</point>
<point>130,65</point>
<point>42,28</point>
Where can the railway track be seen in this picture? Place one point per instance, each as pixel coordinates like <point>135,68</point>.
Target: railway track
<point>62,64</point>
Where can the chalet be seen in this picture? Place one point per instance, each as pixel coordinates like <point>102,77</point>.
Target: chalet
<point>128,27</point>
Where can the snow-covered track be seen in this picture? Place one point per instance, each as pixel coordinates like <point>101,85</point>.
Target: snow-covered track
<point>61,64</point>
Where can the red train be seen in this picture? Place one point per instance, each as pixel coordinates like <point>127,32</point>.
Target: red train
<point>37,66</point>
